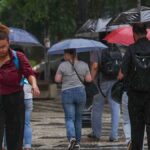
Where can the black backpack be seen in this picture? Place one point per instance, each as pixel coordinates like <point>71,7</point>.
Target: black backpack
<point>140,72</point>
<point>111,61</point>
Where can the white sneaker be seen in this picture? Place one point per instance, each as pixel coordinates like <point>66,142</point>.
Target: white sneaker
<point>72,144</point>
<point>77,146</point>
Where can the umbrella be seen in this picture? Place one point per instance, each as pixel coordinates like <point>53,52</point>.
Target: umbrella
<point>123,36</point>
<point>97,25</point>
<point>134,15</point>
<point>94,25</point>
<point>81,45</point>
<point>22,38</point>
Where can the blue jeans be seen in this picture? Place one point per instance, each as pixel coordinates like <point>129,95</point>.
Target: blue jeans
<point>97,109</point>
<point>125,117</point>
<point>73,101</point>
<point>27,127</point>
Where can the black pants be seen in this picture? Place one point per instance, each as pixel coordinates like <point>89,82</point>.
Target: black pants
<point>12,113</point>
<point>139,112</point>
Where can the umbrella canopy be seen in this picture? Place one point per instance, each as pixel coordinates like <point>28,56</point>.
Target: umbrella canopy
<point>81,45</point>
<point>134,15</point>
<point>97,25</point>
<point>94,25</point>
<point>123,36</point>
<point>22,38</point>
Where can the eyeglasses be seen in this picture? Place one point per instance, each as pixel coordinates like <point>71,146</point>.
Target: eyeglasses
<point>4,47</point>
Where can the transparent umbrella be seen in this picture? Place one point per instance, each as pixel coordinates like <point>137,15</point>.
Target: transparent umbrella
<point>134,15</point>
<point>97,25</point>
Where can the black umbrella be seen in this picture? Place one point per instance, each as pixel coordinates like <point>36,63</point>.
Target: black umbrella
<point>134,15</point>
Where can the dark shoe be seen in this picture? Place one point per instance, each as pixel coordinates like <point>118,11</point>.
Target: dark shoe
<point>129,146</point>
<point>113,140</point>
<point>72,144</point>
<point>92,136</point>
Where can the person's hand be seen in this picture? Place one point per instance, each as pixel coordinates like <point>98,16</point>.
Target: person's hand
<point>35,90</point>
<point>120,75</point>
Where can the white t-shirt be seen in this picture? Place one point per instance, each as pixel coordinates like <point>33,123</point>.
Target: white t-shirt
<point>27,91</point>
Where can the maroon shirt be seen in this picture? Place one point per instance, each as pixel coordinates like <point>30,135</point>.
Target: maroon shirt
<point>10,76</point>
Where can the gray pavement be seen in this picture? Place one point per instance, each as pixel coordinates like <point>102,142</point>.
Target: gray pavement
<point>49,129</point>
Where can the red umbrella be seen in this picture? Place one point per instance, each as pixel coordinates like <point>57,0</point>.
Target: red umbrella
<point>123,36</point>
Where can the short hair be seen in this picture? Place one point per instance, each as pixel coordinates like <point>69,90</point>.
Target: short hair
<point>139,28</point>
<point>71,51</point>
<point>4,32</point>
<point>3,36</point>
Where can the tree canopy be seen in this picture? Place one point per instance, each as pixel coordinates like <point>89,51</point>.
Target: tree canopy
<point>58,19</point>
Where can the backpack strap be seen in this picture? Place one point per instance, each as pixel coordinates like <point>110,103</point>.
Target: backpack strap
<point>17,64</point>
<point>16,60</point>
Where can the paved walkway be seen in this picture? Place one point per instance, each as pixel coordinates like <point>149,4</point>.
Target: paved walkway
<point>49,129</point>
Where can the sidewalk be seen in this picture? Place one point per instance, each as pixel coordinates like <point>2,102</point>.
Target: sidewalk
<point>49,129</point>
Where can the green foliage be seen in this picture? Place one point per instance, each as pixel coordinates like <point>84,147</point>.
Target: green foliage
<point>53,17</point>
<point>32,63</point>
<point>58,19</point>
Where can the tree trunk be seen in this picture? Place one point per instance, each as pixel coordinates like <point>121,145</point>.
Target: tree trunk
<point>82,12</point>
<point>138,4</point>
<point>47,45</point>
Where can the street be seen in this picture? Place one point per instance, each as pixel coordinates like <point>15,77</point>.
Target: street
<point>49,129</point>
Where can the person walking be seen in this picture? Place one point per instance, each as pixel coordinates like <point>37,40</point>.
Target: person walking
<point>28,101</point>
<point>136,69</point>
<point>105,84</point>
<point>12,110</point>
<point>73,95</point>
<point>126,120</point>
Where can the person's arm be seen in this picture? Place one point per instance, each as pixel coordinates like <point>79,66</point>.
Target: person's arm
<point>28,73</point>
<point>95,59</point>
<point>58,78</point>
<point>94,70</point>
<point>88,77</point>
<point>126,64</point>
<point>35,89</point>
<point>120,75</point>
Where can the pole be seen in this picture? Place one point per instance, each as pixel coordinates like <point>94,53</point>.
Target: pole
<point>138,4</point>
<point>47,45</point>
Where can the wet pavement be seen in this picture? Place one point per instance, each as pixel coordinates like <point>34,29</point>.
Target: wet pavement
<point>49,129</point>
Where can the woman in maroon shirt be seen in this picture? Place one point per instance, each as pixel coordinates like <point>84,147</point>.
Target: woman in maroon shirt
<point>11,92</point>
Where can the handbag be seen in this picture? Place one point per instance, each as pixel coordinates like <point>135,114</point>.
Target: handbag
<point>117,91</point>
